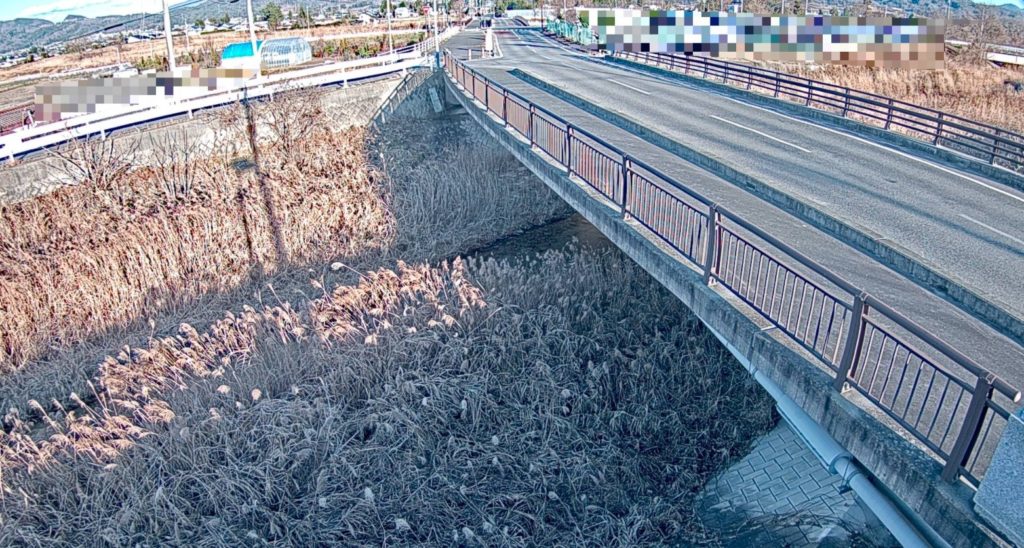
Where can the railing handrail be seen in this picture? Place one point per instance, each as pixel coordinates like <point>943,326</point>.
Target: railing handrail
<point>984,381</point>
<point>985,139</point>
<point>876,99</point>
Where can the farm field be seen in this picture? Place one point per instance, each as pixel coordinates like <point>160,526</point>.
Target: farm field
<point>301,347</point>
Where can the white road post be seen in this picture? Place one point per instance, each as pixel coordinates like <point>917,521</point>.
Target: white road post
<point>252,37</point>
<point>437,47</point>
<point>167,36</point>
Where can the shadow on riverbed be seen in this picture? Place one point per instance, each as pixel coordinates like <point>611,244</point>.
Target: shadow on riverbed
<point>573,229</point>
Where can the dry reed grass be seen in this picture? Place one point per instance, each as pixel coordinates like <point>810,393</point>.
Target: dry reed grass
<point>90,258</point>
<point>540,402</point>
<point>411,149</point>
<point>971,91</point>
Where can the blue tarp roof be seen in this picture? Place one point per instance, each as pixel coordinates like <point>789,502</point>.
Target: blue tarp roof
<point>241,49</point>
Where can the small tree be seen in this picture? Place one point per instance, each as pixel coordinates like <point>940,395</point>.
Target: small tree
<point>272,14</point>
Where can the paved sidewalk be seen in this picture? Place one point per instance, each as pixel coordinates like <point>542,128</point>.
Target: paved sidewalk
<point>781,495</point>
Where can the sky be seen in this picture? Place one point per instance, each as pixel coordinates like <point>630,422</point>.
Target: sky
<point>56,10</point>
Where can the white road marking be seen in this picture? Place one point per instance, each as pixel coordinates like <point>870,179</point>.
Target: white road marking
<point>692,87</point>
<point>884,147</point>
<point>629,86</point>
<point>993,229</point>
<point>762,134</point>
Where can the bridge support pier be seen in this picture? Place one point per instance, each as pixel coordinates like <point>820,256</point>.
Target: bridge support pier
<point>999,496</point>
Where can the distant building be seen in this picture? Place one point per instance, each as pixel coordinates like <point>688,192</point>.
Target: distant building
<point>402,13</point>
<point>279,52</point>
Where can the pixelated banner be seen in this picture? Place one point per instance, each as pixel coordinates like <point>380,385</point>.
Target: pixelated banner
<point>63,100</point>
<point>909,42</point>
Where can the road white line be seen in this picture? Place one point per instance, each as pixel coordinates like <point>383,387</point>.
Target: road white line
<point>762,134</point>
<point>889,149</point>
<point>993,229</point>
<point>638,90</point>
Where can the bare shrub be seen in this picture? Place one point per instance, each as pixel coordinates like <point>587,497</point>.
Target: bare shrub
<point>175,154</point>
<point>94,160</point>
<point>291,117</point>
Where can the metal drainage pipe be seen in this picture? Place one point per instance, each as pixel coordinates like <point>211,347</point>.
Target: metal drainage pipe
<point>905,525</point>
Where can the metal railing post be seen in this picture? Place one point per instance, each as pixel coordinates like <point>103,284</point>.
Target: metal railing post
<point>568,149</point>
<point>995,146</point>
<point>938,130</point>
<point>504,106</point>
<point>777,83</point>
<point>846,102</point>
<point>970,430</point>
<point>810,94</point>
<point>711,245</point>
<point>854,342</point>
<point>529,127</point>
<point>625,183</point>
<point>888,115</point>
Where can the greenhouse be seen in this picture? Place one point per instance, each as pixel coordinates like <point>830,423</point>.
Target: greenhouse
<point>283,52</point>
<point>279,52</point>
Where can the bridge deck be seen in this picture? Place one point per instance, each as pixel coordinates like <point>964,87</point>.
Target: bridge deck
<point>965,332</point>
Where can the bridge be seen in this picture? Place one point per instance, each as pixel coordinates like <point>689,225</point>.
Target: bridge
<point>867,279</point>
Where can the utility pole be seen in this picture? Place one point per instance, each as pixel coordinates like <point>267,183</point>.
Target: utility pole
<point>167,36</point>
<point>391,40</point>
<point>252,36</point>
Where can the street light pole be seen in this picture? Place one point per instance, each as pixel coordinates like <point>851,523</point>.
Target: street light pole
<point>167,36</point>
<point>252,36</point>
<point>391,40</point>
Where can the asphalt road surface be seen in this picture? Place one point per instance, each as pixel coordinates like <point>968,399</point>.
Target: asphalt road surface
<point>960,224</point>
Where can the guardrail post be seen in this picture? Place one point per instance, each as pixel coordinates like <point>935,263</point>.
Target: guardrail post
<point>888,115</point>
<point>854,342</point>
<point>810,94</point>
<point>625,183</point>
<point>995,146</point>
<point>487,95</point>
<point>846,102</point>
<point>529,127</point>
<point>711,249</point>
<point>777,82</point>
<point>568,149</point>
<point>504,106</point>
<point>938,130</point>
<point>970,430</point>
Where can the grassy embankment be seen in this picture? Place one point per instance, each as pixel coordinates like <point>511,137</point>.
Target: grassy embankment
<point>561,399</point>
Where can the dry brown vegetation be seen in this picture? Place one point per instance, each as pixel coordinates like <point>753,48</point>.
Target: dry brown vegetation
<point>575,402</point>
<point>976,92</point>
<point>184,388</point>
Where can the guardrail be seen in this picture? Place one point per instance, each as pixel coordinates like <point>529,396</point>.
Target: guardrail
<point>941,397</point>
<point>27,140</point>
<point>985,142</point>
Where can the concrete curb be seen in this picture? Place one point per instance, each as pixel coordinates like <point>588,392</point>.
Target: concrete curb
<point>907,144</point>
<point>984,307</point>
<point>901,466</point>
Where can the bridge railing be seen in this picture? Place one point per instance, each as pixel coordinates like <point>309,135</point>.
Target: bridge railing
<point>951,405</point>
<point>986,142</point>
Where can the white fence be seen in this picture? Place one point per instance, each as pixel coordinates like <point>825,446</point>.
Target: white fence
<point>31,139</point>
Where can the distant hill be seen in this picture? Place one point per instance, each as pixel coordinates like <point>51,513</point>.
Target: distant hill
<point>20,34</point>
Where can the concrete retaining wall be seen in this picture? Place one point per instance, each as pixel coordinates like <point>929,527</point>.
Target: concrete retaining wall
<point>345,107</point>
<point>898,464</point>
